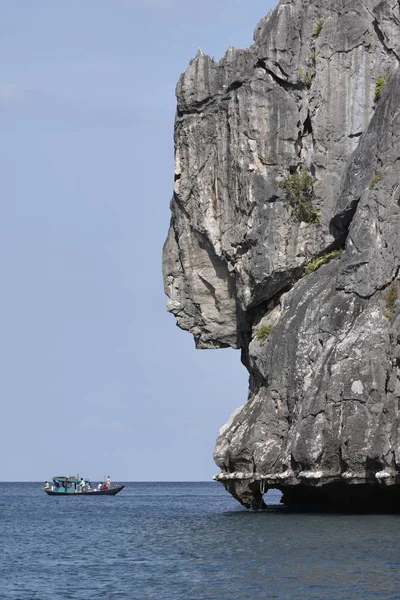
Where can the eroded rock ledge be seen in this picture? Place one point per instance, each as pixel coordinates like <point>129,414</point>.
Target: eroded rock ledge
<point>322,418</point>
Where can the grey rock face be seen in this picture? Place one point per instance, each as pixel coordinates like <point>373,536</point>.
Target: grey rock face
<point>324,385</point>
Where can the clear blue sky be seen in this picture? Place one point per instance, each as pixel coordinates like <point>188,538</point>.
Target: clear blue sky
<point>95,376</point>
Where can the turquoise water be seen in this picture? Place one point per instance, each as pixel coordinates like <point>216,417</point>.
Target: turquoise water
<point>172,541</point>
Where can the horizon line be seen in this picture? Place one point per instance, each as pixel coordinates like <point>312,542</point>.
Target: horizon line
<point>123,480</point>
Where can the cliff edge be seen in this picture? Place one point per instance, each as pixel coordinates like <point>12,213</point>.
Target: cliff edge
<point>284,242</point>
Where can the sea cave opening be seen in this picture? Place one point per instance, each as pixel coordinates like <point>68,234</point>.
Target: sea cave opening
<point>272,497</point>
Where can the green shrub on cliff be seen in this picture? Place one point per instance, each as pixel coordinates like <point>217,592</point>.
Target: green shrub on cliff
<point>380,84</point>
<point>263,332</point>
<point>376,179</point>
<point>321,260</point>
<point>299,191</point>
<point>306,77</point>
<point>318,27</point>
<point>390,299</point>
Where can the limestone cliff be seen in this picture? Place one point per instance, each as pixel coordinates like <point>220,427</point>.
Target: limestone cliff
<point>287,152</point>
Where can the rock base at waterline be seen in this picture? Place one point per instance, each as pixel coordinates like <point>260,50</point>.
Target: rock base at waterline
<point>342,497</point>
<point>249,493</point>
<point>337,496</point>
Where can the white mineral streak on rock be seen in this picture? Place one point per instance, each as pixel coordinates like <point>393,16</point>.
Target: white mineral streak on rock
<point>383,475</point>
<point>285,475</point>
<point>348,475</point>
<point>173,305</point>
<point>357,387</point>
<point>232,419</point>
<point>311,474</point>
<point>325,382</point>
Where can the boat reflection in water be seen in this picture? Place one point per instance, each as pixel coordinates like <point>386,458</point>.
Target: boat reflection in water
<point>80,486</point>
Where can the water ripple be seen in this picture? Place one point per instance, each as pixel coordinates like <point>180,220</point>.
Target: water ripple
<point>188,541</point>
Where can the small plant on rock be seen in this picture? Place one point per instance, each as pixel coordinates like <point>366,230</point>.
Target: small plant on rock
<point>299,190</point>
<point>318,27</point>
<point>314,59</point>
<point>380,84</point>
<point>263,332</point>
<point>306,77</point>
<point>390,299</point>
<point>321,260</point>
<point>376,179</point>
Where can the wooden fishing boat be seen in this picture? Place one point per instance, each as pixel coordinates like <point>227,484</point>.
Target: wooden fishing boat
<point>79,486</point>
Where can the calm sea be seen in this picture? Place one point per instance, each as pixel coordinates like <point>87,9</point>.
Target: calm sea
<point>191,541</point>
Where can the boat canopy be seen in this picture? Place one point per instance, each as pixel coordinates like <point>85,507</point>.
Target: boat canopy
<point>72,479</point>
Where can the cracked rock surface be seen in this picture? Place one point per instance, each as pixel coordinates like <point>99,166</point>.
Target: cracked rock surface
<point>321,421</point>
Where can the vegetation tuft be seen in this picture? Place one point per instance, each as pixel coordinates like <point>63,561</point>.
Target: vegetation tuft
<point>263,332</point>
<point>376,179</point>
<point>306,77</point>
<point>299,191</point>
<point>318,27</point>
<point>321,260</point>
<point>380,84</point>
<point>314,59</point>
<point>390,299</point>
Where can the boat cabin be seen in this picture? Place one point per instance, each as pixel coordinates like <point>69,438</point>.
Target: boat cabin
<point>70,485</point>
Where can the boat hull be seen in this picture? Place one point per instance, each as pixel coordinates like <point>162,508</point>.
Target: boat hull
<point>110,492</point>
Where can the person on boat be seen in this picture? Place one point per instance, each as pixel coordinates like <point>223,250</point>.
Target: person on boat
<point>46,485</point>
<point>108,482</point>
<point>99,487</point>
<point>82,485</point>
